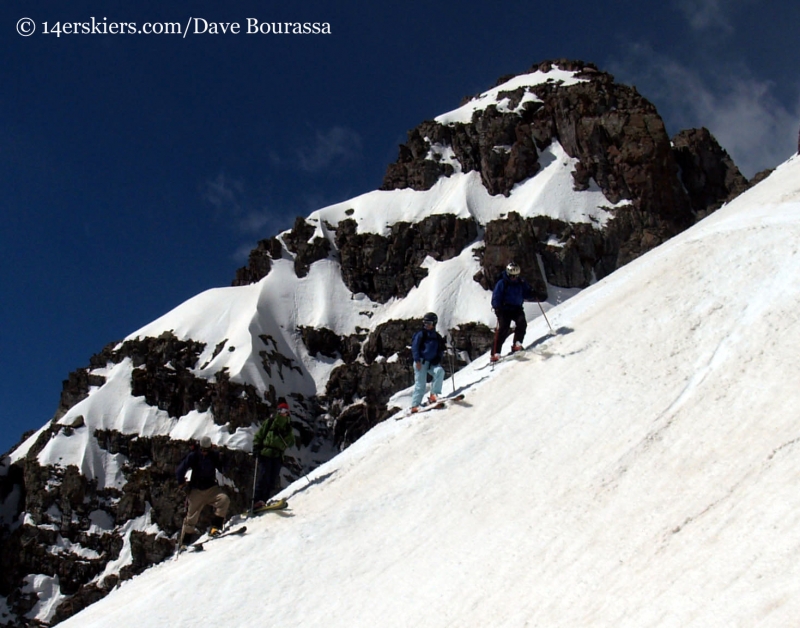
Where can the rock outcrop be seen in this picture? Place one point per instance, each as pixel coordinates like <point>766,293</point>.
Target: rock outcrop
<point>706,170</point>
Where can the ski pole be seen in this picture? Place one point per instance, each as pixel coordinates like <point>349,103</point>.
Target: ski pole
<point>545,318</point>
<point>255,476</point>
<point>495,350</point>
<point>453,366</point>
<point>183,524</point>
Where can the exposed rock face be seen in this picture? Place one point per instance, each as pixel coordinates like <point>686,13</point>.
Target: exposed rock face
<point>326,343</point>
<point>71,529</point>
<point>306,250</point>
<point>413,169</point>
<point>59,504</point>
<point>385,267</point>
<point>621,145</point>
<point>297,243</point>
<point>512,238</point>
<point>381,267</point>
<point>163,376</point>
<point>707,171</point>
<point>388,340</point>
<point>259,262</point>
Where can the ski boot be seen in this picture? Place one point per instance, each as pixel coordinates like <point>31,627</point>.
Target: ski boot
<point>217,523</point>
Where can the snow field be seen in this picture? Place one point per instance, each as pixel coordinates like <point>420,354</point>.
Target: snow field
<point>641,472</point>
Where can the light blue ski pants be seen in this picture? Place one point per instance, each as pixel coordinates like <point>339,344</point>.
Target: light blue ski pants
<point>421,381</point>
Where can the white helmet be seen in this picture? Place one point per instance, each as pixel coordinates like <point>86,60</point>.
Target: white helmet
<point>512,269</point>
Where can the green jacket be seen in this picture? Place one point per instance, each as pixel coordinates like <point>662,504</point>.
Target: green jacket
<point>274,436</point>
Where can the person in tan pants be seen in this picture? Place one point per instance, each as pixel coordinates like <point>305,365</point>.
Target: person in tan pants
<point>203,489</point>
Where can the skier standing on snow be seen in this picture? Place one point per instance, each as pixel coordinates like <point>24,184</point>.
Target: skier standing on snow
<point>510,292</point>
<point>271,440</point>
<point>202,489</point>
<point>427,350</point>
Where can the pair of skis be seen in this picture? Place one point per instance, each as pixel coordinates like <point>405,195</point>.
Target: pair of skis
<point>198,546</point>
<point>440,404</point>
<point>519,354</point>
<point>537,348</point>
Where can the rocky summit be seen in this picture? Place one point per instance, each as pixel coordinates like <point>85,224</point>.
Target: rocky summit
<point>559,168</point>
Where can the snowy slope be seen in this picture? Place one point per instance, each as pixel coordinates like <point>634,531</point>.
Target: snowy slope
<point>640,469</point>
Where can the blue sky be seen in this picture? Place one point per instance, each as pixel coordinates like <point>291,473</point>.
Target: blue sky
<point>138,170</point>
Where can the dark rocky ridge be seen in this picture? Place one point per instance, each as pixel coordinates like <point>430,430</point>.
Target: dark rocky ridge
<point>707,171</point>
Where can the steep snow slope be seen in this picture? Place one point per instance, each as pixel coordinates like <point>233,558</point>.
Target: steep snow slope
<point>639,469</point>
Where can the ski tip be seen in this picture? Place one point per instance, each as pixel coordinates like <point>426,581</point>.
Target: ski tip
<point>281,504</point>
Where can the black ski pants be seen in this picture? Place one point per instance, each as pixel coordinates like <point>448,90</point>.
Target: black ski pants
<point>506,316</point>
<point>269,468</point>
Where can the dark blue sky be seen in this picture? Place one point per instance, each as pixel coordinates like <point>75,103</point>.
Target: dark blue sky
<point>137,170</point>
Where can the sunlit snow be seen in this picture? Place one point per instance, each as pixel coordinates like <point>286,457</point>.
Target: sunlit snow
<point>639,469</point>
<point>495,95</point>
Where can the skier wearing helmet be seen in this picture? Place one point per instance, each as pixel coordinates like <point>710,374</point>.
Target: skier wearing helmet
<point>427,349</point>
<point>510,292</point>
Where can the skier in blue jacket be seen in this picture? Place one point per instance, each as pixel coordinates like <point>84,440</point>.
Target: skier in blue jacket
<point>509,294</point>
<point>427,349</point>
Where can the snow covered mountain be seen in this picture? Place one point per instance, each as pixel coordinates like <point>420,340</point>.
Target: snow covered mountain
<point>637,470</point>
<point>561,169</point>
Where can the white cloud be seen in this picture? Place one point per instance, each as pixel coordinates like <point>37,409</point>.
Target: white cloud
<point>238,207</point>
<point>335,146</point>
<point>742,111</point>
<point>224,194</point>
<point>706,14</point>
<point>711,15</point>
